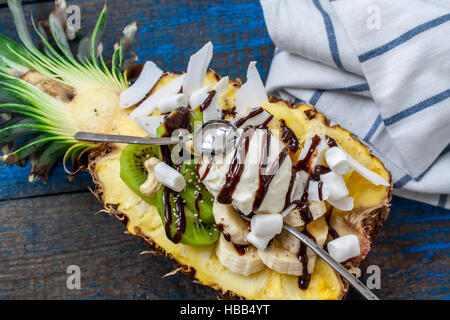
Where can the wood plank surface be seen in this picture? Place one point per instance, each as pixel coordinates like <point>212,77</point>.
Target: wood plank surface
<point>42,236</point>
<point>49,227</point>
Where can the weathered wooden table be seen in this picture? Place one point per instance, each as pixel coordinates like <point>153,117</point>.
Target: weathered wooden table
<point>44,228</point>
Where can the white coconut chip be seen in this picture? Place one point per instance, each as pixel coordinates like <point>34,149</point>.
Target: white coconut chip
<point>255,121</point>
<point>366,173</point>
<point>149,105</point>
<point>213,112</point>
<point>170,103</point>
<point>343,204</point>
<point>221,86</point>
<point>196,70</point>
<point>252,94</point>
<point>318,156</point>
<point>266,225</point>
<point>198,97</point>
<point>301,179</point>
<point>258,242</point>
<point>317,192</point>
<point>149,76</point>
<point>149,124</point>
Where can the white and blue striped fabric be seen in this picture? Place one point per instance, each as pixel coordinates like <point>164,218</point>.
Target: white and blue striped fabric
<point>379,68</point>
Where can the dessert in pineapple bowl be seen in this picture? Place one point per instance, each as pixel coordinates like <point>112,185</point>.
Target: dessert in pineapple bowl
<point>220,215</point>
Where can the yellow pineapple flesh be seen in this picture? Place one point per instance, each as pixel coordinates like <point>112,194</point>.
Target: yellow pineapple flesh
<point>142,219</point>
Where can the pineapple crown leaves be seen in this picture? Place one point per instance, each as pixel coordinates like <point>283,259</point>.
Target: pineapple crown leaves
<point>38,116</point>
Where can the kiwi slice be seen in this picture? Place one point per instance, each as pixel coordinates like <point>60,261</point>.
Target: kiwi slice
<point>197,198</point>
<point>132,169</point>
<point>200,228</point>
<point>196,233</point>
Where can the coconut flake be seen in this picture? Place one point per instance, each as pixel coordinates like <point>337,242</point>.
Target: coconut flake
<point>265,225</point>
<point>335,184</point>
<point>252,94</point>
<point>366,173</point>
<point>170,103</point>
<point>344,248</point>
<point>169,177</point>
<point>198,97</point>
<point>258,242</point>
<point>196,70</point>
<point>337,160</point>
<point>318,191</point>
<point>149,105</point>
<point>213,112</point>
<point>318,155</point>
<point>149,76</point>
<point>343,204</point>
<point>149,124</point>
<point>301,179</point>
<point>221,86</point>
<point>255,121</point>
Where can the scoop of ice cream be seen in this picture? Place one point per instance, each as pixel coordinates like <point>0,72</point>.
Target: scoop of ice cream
<point>255,176</point>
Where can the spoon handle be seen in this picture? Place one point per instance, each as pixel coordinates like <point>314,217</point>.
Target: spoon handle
<point>113,138</point>
<point>354,282</point>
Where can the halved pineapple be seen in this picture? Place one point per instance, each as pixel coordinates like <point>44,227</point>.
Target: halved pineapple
<point>142,219</point>
<point>59,95</point>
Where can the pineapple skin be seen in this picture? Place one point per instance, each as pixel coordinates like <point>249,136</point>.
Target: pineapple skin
<point>143,221</point>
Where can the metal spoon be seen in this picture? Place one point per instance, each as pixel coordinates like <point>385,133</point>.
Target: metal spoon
<point>214,137</point>
<point>354,282</point>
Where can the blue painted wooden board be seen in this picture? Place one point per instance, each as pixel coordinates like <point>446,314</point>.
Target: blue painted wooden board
<point>49,227</point>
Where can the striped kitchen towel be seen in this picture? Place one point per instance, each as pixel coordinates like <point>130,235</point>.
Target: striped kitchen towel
<point>380,69</point>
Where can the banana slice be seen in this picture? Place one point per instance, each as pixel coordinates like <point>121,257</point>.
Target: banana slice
<point>282,256</point>
<point>288,242</point>
<point>317,208</point>
<point>233,227</point>
<point>280,260</point>
<point>243,262</point>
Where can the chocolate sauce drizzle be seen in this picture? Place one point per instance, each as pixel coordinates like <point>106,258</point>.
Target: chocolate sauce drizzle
<point>252,114</point>
<point>303,280</point>
<point>198,198</point>
<point>266,178</point>
<point>180,119</point>
<point>266,122</point>
<point>287,201</point>
<point>207,101</point>
<point>331,142</point>
<point>226,112</point>
<point>205,174</point>
<point>303,206</point>
<point>236,168</point>
<point>240,249</point>
<point>333,233</point>
<point>226,235</point>
<point>288,136</point>
<point>305,163</point>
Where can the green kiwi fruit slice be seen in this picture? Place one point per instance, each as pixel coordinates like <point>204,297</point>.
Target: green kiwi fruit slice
<point>196,197</point>
<point>200,227</point>
<point>132,169</point>
<point>196,233</point>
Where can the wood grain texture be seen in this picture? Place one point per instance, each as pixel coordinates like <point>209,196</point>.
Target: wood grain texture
<point>40,236</point>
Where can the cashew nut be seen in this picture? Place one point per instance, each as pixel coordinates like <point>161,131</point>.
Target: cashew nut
<point>150,187</point>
